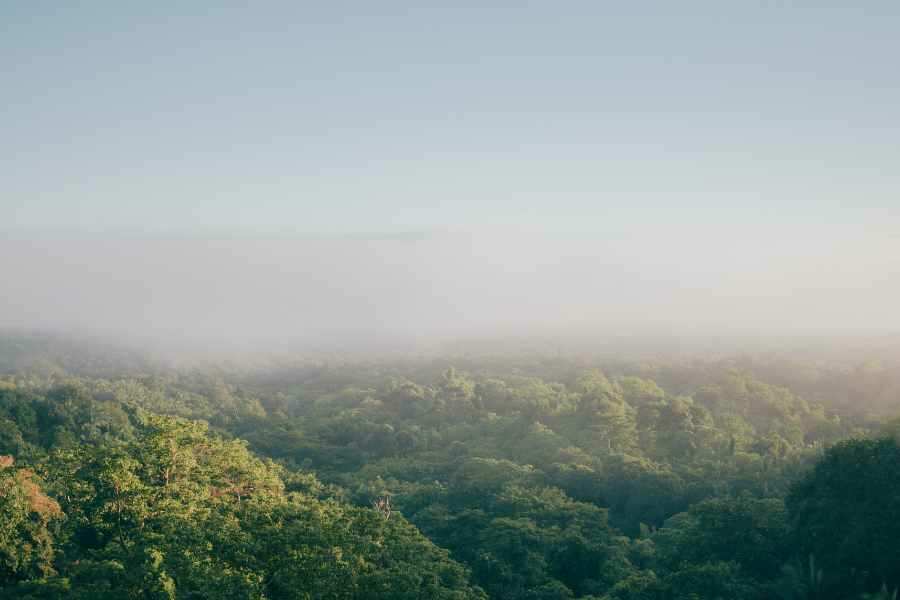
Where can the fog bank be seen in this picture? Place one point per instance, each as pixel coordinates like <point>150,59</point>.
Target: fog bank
<point>453,285</point>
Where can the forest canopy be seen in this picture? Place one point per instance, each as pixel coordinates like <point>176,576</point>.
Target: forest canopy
<point>514,477</point>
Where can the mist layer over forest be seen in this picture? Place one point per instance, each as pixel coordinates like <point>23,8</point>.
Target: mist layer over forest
<point>418,289</point>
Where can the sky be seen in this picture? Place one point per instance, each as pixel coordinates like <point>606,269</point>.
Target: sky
<point>682,164</point>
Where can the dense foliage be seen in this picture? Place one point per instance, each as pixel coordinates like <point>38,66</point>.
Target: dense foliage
<point>516,478</point>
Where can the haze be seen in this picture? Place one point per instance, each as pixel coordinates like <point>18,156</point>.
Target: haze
<point>422,171</point>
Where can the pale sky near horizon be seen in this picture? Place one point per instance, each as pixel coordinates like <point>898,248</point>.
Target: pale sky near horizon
<point>692,164</point>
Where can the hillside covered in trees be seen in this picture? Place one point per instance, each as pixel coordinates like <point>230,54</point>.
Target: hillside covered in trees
<point>517,477</point>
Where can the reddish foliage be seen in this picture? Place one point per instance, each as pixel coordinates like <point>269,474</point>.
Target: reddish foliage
<point>38,502</point>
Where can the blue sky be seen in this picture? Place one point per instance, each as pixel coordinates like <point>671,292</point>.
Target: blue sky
<point>340,118</point>
<point>693,167</point>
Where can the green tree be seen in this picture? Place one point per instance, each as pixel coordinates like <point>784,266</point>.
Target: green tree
<point>845,513</point>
